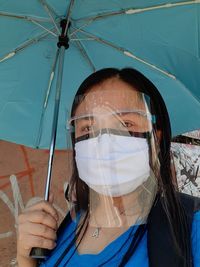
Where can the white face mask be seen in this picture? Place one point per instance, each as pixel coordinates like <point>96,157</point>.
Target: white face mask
<point>113,165</point>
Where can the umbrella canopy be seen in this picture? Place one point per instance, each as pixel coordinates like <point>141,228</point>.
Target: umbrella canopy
<point>159,38</point>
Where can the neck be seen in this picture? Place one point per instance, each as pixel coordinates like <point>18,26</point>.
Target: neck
<point>123,211</point>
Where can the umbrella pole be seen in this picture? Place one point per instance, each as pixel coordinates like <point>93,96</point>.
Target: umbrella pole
<point>55,121</point>
<point>40,253</point>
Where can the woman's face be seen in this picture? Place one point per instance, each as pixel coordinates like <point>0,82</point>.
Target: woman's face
<point>112,104</point>
<point>113,145</point>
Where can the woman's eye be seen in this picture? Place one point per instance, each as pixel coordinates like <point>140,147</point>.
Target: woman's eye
<point>86,129</point>
<point>127,124</point>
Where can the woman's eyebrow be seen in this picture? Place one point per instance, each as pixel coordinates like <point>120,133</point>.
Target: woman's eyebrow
<point>131,113</point>
<point>85,118</point>
<point>124,113</point>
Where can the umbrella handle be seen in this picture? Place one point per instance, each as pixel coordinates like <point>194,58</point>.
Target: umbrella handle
<point>39,253</point>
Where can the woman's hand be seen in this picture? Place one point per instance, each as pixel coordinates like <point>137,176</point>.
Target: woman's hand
<point>36,228</point>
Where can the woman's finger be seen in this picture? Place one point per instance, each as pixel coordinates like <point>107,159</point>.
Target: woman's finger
<point>37,230</point>
<point>38,217</point>
<point>30,241</point>
<point>46,207</point>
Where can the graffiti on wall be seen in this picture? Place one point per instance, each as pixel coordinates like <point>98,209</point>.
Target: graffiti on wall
<point>17,205</point>
<point>22,177</point>
<point>187,165</point>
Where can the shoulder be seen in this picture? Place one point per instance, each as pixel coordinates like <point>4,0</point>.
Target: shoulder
<point>190,202</point>
<point>195,238</point>
<point>192,207</point>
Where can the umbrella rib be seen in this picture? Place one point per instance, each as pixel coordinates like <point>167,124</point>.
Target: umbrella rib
<point>44,28</point>
<point>101,16</point>
<point>125,52</point>
<point>169,5</point>
<point>131,11</point>
<point>30,19</point>
<point>68,16</point>
<point>81,39</point>
<point>49,11</point>
<point>81,27</point>
<point>25,45</point>
<point>131,55</point>
<point>24,17</point>
<point>50,8</point>
<point>84,54</point>
<point>52,74</point>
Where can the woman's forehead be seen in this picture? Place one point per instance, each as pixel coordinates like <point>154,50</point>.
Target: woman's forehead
<point>111,94</point>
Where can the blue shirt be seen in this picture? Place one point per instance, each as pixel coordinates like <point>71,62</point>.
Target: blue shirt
<point>139,258</point>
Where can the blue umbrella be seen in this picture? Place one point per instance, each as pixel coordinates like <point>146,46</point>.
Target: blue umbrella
<point>159,38</point>
<point>48,47</point>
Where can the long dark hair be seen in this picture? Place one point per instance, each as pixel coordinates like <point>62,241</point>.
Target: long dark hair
<point>170,200</point>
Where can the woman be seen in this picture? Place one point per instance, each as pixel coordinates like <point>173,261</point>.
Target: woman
<point>125,210</point>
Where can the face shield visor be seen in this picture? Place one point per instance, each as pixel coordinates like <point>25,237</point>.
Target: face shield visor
<point>116,155</point>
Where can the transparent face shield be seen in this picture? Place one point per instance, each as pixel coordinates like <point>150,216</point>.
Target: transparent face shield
<point>115,150</point>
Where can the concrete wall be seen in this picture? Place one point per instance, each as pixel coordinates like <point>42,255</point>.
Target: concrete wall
<point>22,175</point>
